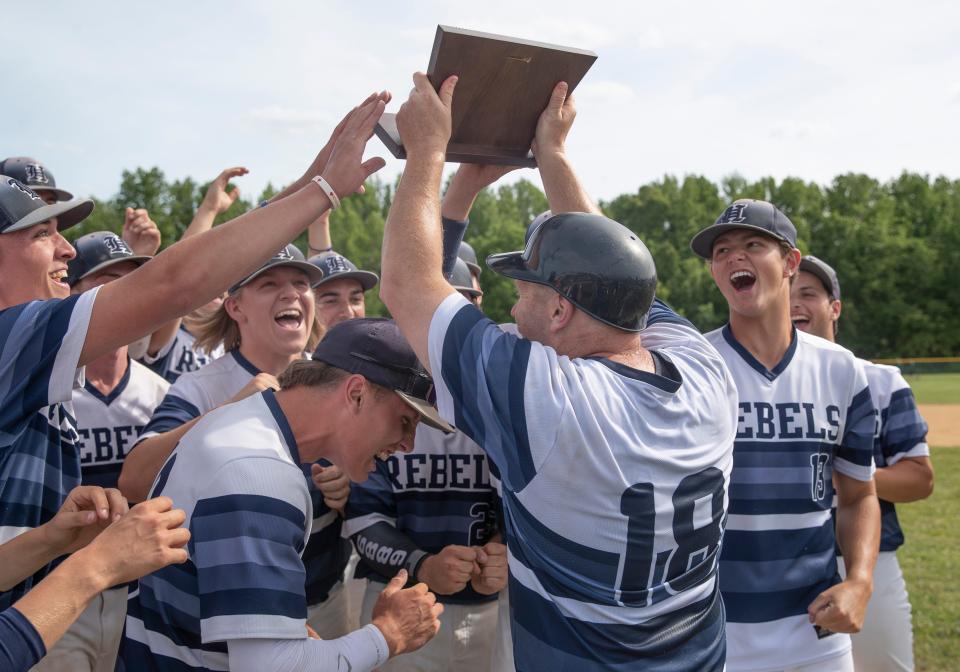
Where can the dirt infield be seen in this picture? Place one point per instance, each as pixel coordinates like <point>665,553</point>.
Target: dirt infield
<point>944,422</point>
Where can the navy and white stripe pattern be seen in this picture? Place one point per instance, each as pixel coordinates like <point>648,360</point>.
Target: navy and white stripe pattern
<point>40,345</point>
<point>108,425</point>
<point>614,489</point>
<point>809,416</point>
<point>437,495</point>
<point>201,391</point>
<point>180,356</point>
<point>237,476</point>
<point>900,433</point>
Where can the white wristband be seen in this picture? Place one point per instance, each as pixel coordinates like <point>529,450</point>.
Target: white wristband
<point>328,190</point>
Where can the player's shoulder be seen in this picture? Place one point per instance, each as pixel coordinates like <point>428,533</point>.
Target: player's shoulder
<point>883,377</point>
<point>222,368</point>
<point>146,377</point>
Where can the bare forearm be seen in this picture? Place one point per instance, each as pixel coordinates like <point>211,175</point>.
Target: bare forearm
<point>143,463</point>
<point>23,555</point>
<point>458,201</point>
<point>318,234</point>
<point>194,271</point>
<point>412,246</point>
<point>56,602</point>
<point>202,221</point>
<point>563,189</point>
<point>909,480</point>
<point>858,530</point>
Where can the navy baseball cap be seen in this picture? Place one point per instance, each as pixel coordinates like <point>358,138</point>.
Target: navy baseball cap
<point>21,208</point>
<point>746,213</point>
<point>33,174</point>
<point>462,279</point>
<point>375,348</point>
<point>97,251</point>
<point>469,256</point>
<point>288,256</point>
<point>335,266</point>
<point>824,273</point>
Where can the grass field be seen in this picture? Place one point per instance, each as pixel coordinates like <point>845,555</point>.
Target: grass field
<point>936,388</point>
<point>930,563</point>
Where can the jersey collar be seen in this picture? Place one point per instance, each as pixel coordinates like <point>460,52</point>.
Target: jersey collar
<point>670,381</point>
<point>245,363</point>
<point>108,399</point>
<point>271,400</point>
<point>769,374</point>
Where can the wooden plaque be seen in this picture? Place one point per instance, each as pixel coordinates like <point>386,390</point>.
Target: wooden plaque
<point>504,84</point>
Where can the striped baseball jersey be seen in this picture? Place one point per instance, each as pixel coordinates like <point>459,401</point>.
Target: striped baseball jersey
<point>108,425</point>
<point>437,495</point>
<point>614,488</point>
<point>203,390</point>
<point>899,432</point>
<point>809,416</point>
<point>179,356</point>
<point>237,476</point>
<point>40,346</point>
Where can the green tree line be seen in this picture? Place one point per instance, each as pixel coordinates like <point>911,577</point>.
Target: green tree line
<point>895,244</point>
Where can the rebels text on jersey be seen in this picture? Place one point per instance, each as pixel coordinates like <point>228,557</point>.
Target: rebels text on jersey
<point>614,488</point>
<point>437,495</point>
<point>40,345</point>
<point>109,424</point>
<point>809,416</point>
<point>180,356</point>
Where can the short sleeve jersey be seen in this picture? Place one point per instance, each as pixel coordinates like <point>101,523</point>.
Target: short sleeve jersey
<point>809,416</point>
<point>614,488</point>
<point>900,432</point>
<point>40,346</point>
<point>180,356</point>
<point>236,474</point>
<point>108,424</point>
<point>201,391</point>
<point>438,494</point>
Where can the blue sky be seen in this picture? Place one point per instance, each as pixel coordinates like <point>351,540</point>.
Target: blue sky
<point>807,89</point>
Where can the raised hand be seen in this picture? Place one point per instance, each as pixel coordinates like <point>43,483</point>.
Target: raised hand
<point>87,511</point>
<point>408,618</point>
<point>493,574</point>
<point>145,539</point>
<point>333,483</point>
<point>555,122</point>
<point>424,121</point>
<point>217,199</point>
<point>140,232</point>
<point>344,169</point>
<point>450,570</point>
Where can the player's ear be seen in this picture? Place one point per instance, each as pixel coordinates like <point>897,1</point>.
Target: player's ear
<point>232,306</point>
<point>835,308</point>
<point>355,392</point>
<point>791,263</point>
<point>563,312</point>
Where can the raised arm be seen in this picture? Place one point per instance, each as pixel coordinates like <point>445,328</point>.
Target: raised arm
<point>217,200</point>
<point>194,271</point>
<point>412,284</point>
<point>560,182</point>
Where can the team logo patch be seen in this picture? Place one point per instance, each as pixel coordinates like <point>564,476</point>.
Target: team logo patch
<point>19,187</point>
<point>336,264</point>
<point>36,174</point>
<point>116,246</point>
<point>283,255</point>
<point>735,214</point>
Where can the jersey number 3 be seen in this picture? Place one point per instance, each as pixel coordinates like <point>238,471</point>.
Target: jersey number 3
<point>647,579</point>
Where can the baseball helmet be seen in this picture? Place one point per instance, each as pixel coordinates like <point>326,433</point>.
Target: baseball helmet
<point>462,279</point>
<point>33,174</point>
<point>469,256</point>
<point>599,265</point>
<point>98,250</point>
